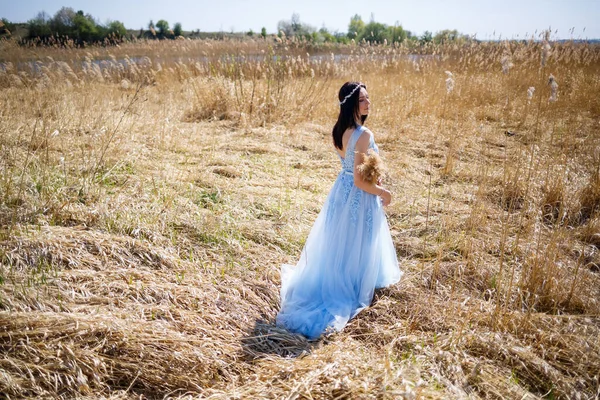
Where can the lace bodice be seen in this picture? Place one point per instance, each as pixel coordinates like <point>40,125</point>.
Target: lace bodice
<point>348,161</point>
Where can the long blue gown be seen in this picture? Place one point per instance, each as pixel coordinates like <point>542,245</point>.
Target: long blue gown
<point>348,253</point>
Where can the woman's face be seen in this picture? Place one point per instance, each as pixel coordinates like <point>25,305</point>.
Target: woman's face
<point>363,102</point>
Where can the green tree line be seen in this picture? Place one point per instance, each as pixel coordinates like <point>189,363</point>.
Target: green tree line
<point>68,24</point>
<point>77,27</point>
<point>161,30</point>
<point>359,31</point>
<point>80,28</point>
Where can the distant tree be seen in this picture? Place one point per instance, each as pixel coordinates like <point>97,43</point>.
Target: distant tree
<point>117,28</point>
<point>446,35</point>
<point>85,28</point>
<point>426,37</point>
<point>250,33</point>
<point>263,32</point>
<point>177,31</point>
<point>374,32</point>
<point>356,27</point>
<point>341,37</point>
<point>151,30</point>
<point>396,33</point>
<point>285,27</point>
<point>295,23</point>
<point>39,26</point>
<point>294,27</point>
<point>163,27</point>
<point>326,35</point>
<point>63,21</point>
<point>411,37</point>
<point>65,16</point>
<point>315,37</point>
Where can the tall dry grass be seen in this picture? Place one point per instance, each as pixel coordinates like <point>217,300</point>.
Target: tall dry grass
<point>151,191</point>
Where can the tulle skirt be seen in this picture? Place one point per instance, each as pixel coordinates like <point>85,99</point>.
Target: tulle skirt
<point>348,253</point>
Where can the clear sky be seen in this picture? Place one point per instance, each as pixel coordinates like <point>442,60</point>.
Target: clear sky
<point>488,19</point>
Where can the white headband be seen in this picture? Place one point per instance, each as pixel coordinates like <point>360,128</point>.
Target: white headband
<point>350,95</point>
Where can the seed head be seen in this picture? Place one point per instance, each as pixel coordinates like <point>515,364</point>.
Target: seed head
<point>449,82</point>
<point>506,63</point>
<point>553,88</point>
<point>530,92</point>
<point>545,52</point>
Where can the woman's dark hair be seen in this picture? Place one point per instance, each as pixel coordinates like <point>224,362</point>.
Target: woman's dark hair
<point>349,94</point>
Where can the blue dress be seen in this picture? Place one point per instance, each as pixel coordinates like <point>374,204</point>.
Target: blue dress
<point>348,253</point>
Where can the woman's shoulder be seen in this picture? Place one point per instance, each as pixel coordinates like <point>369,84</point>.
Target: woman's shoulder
<point>365,133</point>
<point>365,138</point>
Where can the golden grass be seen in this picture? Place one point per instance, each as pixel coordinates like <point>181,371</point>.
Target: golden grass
<point>147,202</point>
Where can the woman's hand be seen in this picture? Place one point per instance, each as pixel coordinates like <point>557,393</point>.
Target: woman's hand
<point>386,197</point>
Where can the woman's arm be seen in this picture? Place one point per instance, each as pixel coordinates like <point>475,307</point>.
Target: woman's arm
<point>362,145</point>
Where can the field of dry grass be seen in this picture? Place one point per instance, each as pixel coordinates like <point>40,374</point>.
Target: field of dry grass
<point>149,194</point>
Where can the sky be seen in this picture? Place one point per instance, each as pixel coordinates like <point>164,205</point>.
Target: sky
<point>487,19</point>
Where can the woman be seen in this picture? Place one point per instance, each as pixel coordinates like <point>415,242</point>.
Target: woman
<point>349,251</point>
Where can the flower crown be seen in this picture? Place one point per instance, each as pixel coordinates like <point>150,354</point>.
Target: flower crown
<point>358,85</point>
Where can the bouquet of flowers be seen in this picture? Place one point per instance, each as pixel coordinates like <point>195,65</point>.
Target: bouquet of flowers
<point>372,168</point>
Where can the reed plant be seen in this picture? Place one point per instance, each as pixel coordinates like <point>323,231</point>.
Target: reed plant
<point>150,192</point>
